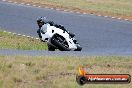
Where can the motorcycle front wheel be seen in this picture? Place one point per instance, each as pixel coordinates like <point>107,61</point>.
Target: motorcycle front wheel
<point>59,42</point>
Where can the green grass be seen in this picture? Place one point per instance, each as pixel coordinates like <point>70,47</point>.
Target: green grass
<point>114,7</point>
<point>59,72</point>
<point>10,41</point>
<point>121,7</point>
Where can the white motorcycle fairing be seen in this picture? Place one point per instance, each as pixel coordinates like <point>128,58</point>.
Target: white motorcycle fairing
<point>48,31</point>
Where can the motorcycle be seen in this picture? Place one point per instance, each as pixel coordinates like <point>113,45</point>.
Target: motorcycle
<point>58,38</point>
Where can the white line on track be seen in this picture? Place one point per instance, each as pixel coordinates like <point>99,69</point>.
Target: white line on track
<point>51,8</point>
<point>14,33</point>
<point>4,31</point>
<point>58,9</point>
<point>9,32</point>
<point>113,17</point>
<point>105,16</point>
<point>28,36</point>
<point>99,15</point>
<point>19,34</point>
<point>22,3</point>
<point>78,12</point>
<point>15,2</point>
<point>71,11</point>
<point>84,13</point>
<point>23,35</point>
<point>9,1</point>
<point>34,5</point>
<point>126,19</point>
<point>46,7</point>
<point>3,0</point>
<point>66,10</point>
<point>28,4</point>
<point>37,38</point>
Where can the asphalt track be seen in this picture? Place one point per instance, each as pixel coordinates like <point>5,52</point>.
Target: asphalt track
<point>97,35</point>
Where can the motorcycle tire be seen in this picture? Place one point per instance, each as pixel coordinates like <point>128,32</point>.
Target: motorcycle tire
<point>59,45</point>
<point>51,48</point>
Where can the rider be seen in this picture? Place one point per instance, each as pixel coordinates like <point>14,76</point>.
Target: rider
<point>41,21</point>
